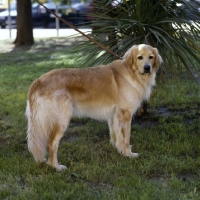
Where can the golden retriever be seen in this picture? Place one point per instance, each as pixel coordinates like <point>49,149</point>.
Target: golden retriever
<point>111,92</point>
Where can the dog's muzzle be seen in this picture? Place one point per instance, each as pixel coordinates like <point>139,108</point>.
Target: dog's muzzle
<point>147,69</point>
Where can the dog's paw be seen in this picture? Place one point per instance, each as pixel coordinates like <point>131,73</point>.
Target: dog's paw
<point>130,154</point>
<point>134,155</point>
<point>60,168</point>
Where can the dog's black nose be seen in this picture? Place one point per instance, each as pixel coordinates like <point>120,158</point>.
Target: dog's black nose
<point>147,69</point>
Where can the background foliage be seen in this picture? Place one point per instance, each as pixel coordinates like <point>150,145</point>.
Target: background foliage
<point>171,26</point>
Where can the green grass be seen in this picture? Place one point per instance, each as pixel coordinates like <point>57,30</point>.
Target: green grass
<point>168,140</point>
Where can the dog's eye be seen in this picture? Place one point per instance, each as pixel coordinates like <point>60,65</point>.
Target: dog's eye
<point>150,57</point>
<point>140,57</point>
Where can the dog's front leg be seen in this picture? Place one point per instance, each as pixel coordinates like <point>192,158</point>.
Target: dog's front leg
<point>126,131</point>
<point>122,126</point>
<point>112,132</point>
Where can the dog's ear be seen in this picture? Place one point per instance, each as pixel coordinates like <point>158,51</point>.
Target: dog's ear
<point>129,56</point>
<point>158,59</point>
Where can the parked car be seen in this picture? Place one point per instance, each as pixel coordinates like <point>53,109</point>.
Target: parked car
<point>74,13</point>
<point>39,17</point>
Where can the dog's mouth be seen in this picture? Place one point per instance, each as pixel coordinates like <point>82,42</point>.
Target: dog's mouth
<point>146,73</point>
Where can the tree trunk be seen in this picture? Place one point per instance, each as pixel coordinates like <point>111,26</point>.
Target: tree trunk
<point>24,24</point>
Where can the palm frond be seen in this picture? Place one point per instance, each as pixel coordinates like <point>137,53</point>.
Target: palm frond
<point>171,26</point>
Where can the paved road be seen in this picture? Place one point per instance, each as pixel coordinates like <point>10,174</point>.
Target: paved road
<point>41,33</point>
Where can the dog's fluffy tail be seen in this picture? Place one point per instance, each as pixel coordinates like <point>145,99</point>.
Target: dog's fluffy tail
<point>37,135</point>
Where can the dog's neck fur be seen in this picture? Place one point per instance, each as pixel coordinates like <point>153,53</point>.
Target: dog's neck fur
<point>135,77</point>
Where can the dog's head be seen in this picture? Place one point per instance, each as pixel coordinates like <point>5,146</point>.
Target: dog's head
<point>143,58</point>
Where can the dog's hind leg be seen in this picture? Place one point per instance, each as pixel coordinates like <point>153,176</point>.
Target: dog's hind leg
<point>54,140</point>
<point>60,126</point>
